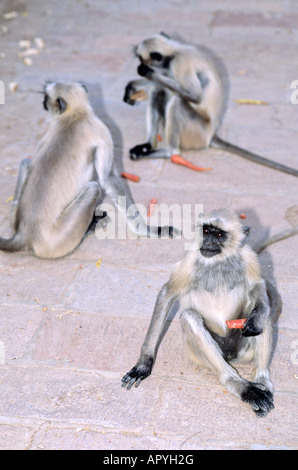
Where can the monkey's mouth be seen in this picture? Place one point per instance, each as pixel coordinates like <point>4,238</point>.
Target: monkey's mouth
<point>209,252</point>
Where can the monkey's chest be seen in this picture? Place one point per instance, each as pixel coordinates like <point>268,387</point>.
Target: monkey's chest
<point>217,307</point>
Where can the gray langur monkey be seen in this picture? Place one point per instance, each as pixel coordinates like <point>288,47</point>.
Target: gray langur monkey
<point>58,190</point>
<point>217,282</point>
<point>186,99</point>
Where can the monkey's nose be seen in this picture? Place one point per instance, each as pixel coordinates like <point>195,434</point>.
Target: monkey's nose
<point>207,241</point>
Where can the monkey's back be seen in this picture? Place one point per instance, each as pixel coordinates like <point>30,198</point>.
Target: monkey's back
<point>59,171</point>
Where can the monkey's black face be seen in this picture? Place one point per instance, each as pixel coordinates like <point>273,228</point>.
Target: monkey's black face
<point>213,241</point>
<point>155,59</point>
<point>58,107</point>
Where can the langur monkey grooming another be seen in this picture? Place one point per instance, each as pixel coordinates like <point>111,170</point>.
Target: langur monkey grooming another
<point>58,190</point>
<point>219,281</point>
<point>186,100</point>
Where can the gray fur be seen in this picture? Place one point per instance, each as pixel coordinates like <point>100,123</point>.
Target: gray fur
<point>58,190</point>
<point>229,274</point>
<point>193,79</point>
<point>210,291</point>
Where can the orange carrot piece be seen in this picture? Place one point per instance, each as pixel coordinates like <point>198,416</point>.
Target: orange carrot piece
<point>242,216</point>
<point>236,323</point>
<point>181,161</point>
<point>152,205</point>
<point>131,177</point>
<point>159,138</point>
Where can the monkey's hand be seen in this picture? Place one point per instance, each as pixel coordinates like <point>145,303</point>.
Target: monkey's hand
<point>138,373</point>
<point>252,327</point>
<point>259,398</point>
<point>145,71</point>
<point>129,90</point>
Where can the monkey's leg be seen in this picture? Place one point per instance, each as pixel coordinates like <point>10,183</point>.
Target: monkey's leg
<point>184,129</point>
<point>173,127</point>
<point>68,231</point>
<point>262,350</point>
<point>22,176</point>
<point>274,301</point>
<point>155,117</point>
<point>262,344</point>
<point>203,346</point>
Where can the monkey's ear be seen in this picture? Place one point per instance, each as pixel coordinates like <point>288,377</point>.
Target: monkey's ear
<point>45,102</point>
<point>84,86</point>
<point>165,35</point>
<point>245,231</point>
<point>62,105</point>
<point>46,83</point>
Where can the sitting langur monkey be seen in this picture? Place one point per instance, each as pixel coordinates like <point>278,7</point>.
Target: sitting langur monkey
<point>219,281</point>
<point>58,190</point>
<point>186,100</point>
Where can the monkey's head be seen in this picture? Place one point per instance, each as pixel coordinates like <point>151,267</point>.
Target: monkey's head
<point>222,234</point>
<point>157,51</point>
<point>65,97</point>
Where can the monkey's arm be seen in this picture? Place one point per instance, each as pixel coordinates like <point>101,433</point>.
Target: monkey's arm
<point>109,179</point>
<point>192,93</point>
<point>143,367</point>
<point>258,310</point>
<point>122,200</point>
<point>134,86</point>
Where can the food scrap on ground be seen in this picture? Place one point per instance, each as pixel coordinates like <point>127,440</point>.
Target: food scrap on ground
<point>13,86</point>
<point>248,101</point>
<point>152,205</point>
<point>181,161</point>
<point>130,176</point>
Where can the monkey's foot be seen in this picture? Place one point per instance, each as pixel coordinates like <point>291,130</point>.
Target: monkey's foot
<point>139,151</point>
<point>137,374</point>
<point>260,399</point>
<point>97,220</point>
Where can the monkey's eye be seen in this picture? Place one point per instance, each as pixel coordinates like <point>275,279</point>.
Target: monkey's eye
<point>219,235</point>
<point>156,56</point>
<point>206,231</point>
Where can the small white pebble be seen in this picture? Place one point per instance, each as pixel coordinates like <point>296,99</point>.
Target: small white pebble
<point>10,15</point>
<point>13,86</point>
<point>28,61</point>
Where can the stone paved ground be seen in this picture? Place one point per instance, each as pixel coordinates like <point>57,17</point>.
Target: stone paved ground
<point>69,330</point>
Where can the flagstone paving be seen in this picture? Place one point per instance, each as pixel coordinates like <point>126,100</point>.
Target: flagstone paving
<point>71,328</point>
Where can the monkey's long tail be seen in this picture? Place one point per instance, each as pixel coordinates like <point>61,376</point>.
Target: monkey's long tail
<point>11,244</point>
<point>217,142</point>
<point>276,238</point>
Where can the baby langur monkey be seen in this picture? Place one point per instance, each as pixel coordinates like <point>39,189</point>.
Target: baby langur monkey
<point>186,100</point>
<point>58,190</point>
<point>219,281</point>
